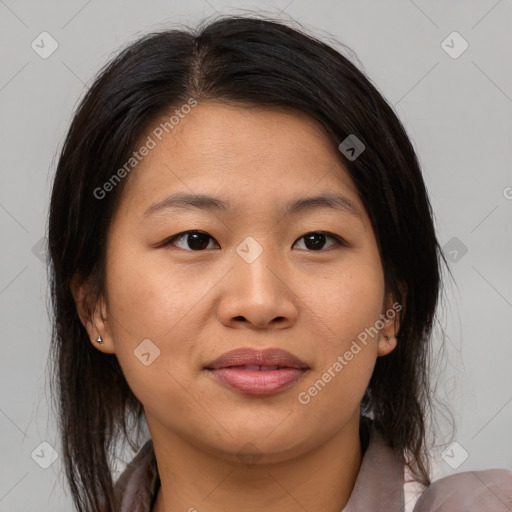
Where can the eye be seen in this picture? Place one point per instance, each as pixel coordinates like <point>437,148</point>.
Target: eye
<point>315,240</point>
<point>195,240</point>
<point>199,240</point>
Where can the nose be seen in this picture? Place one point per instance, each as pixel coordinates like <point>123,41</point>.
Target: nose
<point>259,293</point>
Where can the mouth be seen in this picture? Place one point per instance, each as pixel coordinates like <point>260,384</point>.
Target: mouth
<point>254,367</point>
<point>257,373</point>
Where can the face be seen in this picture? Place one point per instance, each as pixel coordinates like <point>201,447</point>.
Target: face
<point>260,274</point>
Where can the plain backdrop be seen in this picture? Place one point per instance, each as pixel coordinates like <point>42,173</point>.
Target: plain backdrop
<point>455,102</point>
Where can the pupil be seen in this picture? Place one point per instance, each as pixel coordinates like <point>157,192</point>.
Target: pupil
<point>198,241</point>
<point>314,242</point>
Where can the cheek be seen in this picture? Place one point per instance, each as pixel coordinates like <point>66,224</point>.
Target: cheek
<point>150,328</point>
<point>148,299</point>
<point>346,302</point>
<point>150,322</point>
<point>349,304</point>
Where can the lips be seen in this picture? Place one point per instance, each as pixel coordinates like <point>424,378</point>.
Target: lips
<point>267,359</point>
<point>257,372</point>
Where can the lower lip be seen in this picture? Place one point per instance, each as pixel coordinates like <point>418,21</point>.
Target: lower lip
<point>258,382</point>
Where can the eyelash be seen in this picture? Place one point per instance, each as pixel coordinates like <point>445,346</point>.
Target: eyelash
<point>339,242</point>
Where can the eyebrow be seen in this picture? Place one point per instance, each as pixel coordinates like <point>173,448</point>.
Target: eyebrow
<point>215,204</point>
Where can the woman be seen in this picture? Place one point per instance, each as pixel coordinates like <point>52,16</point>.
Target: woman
<point>243,255</point>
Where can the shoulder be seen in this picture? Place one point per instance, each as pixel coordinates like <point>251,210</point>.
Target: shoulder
<point>489,490</point>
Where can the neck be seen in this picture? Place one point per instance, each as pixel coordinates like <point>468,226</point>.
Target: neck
<point>319,479</point>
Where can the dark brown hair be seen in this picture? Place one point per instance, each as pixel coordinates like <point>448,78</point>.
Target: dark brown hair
<point>250,61</point>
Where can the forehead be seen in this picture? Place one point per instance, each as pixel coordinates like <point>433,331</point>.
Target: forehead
<point>245,154</point>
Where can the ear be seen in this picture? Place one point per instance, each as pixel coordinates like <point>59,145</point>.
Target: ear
<point>93,315</point>
<point>390,318</point>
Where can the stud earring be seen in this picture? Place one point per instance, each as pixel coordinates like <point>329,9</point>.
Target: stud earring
<point>99,340</point>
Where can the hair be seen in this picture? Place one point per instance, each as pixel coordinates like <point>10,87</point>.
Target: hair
<point>246,61</point>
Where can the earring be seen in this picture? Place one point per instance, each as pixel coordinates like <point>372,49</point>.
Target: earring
<point>99,340</point>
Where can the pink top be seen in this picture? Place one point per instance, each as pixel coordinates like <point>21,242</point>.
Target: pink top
<point>379,486</point>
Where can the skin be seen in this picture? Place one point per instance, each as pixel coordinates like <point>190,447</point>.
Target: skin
<point>195,305</point>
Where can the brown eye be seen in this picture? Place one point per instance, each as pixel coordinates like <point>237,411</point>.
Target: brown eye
<point>315,241</point>
<point>199,240</point>
<point>194,240</point>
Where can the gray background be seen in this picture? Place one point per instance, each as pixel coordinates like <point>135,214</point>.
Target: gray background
<point>457,112</point>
